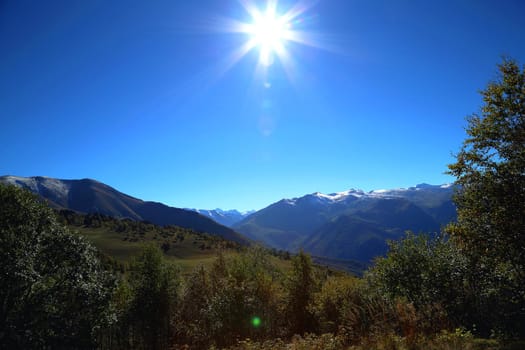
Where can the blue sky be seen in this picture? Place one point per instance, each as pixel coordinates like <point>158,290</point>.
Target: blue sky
<point>140,95</point>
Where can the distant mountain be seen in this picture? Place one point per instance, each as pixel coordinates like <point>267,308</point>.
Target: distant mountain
<point>90,196</point>
<point>353,224</point>
<point>224,217</point>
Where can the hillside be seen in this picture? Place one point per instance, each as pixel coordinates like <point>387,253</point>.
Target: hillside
<point>90,196</point>
<point>123,239</point>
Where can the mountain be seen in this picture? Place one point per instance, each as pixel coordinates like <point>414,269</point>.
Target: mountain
<point>224,217</point>
<point>349,225</point>
<point>91,196</point>
<point>353,224</point>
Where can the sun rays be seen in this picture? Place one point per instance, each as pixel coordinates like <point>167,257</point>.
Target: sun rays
<point>270,31</point>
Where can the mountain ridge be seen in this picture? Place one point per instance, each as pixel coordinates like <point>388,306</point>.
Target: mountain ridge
<point>92,196</point>
<point>347,225</point>
<point>352,224</point>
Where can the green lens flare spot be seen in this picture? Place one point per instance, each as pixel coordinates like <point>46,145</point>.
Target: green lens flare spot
<point>256,321</point>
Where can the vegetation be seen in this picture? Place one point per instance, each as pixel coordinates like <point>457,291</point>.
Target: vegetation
<point>490,168</point>
<point>429,292</point>
<point>121,240</point>
<point>477,275</point>
<point>429,273</point>
<point>54,292</point>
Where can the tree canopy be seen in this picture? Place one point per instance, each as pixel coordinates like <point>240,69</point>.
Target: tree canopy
<point>490,172</point>
<point>54,292</point>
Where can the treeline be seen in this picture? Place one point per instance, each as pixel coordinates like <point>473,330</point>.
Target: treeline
<point>246,296</point>
<point>142,231</point>
<point>170,238</point>
<point>57,294</point>
<point>418,297</point>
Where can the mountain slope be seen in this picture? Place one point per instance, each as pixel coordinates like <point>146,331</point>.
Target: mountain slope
<point>353,224</point>
<point>284,222</point>
<point>90,196</point>
<point>362,234</point>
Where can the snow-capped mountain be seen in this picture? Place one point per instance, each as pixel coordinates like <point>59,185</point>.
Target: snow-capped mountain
<point>224,217</point>
<point>411,192</point>
<point>352,224</point>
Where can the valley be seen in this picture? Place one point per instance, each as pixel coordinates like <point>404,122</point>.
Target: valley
<point>351,227</point>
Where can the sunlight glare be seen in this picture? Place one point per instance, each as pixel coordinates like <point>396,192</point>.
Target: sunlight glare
<point>268,32</point>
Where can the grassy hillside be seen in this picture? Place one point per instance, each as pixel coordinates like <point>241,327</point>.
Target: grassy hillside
<point>122,239</point>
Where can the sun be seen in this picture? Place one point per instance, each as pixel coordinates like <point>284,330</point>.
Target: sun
<point>269,33</point>
<point>272,32</point>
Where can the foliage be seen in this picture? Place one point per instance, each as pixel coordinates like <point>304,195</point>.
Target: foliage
<point>428,272</point>
<point>120,240</point>
<point>151,300</point>
<point>490,170</point>
<point>347,308</point>
<point>218,306</point>
<point>476,277</point>
<point>332,300</point>
<point>309,341</point>
<point>300,287</point>
<point>193,321</point>
<point>456,340</point>
<point>54,292</point>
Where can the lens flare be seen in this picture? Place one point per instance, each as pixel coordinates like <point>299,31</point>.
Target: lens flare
<point>256,322</point>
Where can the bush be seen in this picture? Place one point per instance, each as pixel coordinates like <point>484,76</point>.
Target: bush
<point>55,293</point>
<point>429,272</point>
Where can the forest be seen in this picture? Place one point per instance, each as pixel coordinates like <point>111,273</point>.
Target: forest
<point>461,289</point>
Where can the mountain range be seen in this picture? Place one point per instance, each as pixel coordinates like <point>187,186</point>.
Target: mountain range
<point>352,225</point>
<point>91,196</point>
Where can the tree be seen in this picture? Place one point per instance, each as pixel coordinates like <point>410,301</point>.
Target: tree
<point>244,298</point>
<point>490,172</point>
<point>55,293</point>
<point>154,283</point>
<point>193,326</point>
<point>300,292</point>
<point>331,302</point>
<point>426,272</point>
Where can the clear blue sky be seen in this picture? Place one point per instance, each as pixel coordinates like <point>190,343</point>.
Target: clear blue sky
<point>139,95</point>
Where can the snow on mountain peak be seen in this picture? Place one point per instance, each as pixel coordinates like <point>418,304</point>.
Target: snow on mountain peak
<point>339,196</point>
<point>447,185</point>
<point>383,193</point>
<point>36,184</point>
